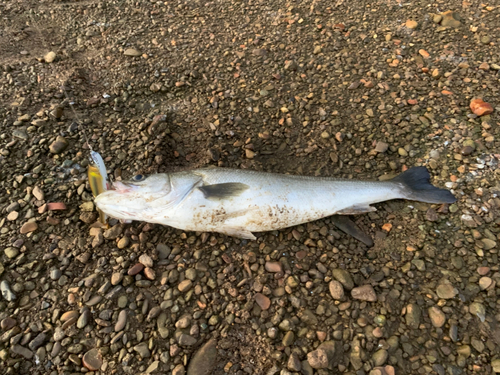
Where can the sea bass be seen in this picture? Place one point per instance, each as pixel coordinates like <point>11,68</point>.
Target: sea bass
<point>239,202</point>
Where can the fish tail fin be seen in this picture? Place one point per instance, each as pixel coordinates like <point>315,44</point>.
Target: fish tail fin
<point>416,186</point>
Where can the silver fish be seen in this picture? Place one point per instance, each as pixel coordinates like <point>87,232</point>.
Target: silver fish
<point>239,202</point>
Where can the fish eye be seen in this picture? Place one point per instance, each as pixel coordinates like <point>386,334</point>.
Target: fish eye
<point>138,177</point>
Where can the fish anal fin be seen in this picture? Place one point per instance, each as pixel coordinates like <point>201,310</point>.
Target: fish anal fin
<point>355,210</point>
<point>348,226</point>
<point>238,232</point>
<point>224,190</point>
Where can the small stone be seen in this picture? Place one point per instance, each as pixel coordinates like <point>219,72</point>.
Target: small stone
<point>438,318</point>
<point>317,50</point>
<point>411,24</point>
<point>179,370</point>
<point>69,315</point>
<point>132,52</point>
<point>7,293</point>
<point>273,267</point>
<point>294,363</point>
<point>480,107</point>
<point>446,291</point>
<point>288,338</point>
<point>59,145</point>
<point>143,350</point>
<point>37,341</point>
<point>450,19</point>
<point>488,244</point>
<point>146,260</point>
<point>149,273</point>
<point>153,367</point>
<point>413,314</point>
<point>122,320</point>
<point>186,340</point>
<point>336,290</point>
<point>155,87</point>
<point>185,285</point>
<point>249,154</point>
<point>485,282</point>
<point>28,227</point>
<point>263,301</point>
<point>8,323</point>
<point>379,357</point>
<point>50,57</point>
<point>495,364</point>
<point>12,216</point>
<point>318,359</point>
<point>11,252</point>
<point>364,293</point>
<point>123,242</point>
<point>135,269</point>
<point>22,351</point>
<point>92,360</point>
<point>38,193</point>
<point>437,18</point>
<point>381,147</point>
<point>484,66</point>
<point>344,277</point>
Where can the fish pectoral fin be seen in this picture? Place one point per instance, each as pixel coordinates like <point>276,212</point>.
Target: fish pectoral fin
<point>223,191</point>
<point>237,232</point>
<point>346,225</point>
<point>356,209</point>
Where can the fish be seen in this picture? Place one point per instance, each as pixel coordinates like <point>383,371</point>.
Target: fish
<point>239,202</point>
<point>97,179</point>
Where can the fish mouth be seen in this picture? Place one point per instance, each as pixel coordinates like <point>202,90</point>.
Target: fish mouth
<point>110,203</point>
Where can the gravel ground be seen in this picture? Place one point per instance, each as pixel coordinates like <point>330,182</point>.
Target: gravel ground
<point>359,89</point>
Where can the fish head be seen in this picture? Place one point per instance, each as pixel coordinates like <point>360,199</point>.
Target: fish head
<point>136,198</point>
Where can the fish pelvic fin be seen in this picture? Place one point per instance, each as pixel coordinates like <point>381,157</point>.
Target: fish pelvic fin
<point>223,191</point>
<point>348,226</point>
<point>238,232</point>
<point>416,186</point>
<point>356,209</point>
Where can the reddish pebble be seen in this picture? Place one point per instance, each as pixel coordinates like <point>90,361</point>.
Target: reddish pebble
<point>69,315</point>
<point>92,360</point>
<point>321,335</point>
<point>424,53</point>
<point>263,301</point>
<point>377,332</point>
<point>483,270</point>
<point>28,227</point>
<point>389,370</point>
<point>273,267</point>
<point>149,273</point>
<point>56,206</point>
<point>301,254</point>
<point>53,220</point>
<point>412,101</point>
<point>387,227</point>
<point>71,299</point>
<point>480,107</point>
<point>135,269</point>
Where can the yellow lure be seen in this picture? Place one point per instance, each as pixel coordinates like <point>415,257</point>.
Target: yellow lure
<point>97,179</point>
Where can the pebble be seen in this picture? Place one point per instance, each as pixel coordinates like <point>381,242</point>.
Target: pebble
<point>59,145</point>
<point>336,290</point>
<point>11,252</point>
<point>480,107</point>
<point>7,323</point>
<point>12,216</point>
<point>495,364</point>
<point>28,227</point>
<point>413,314</point>
<point>50,57</point>
<point>135,269</point>
<point>146,260</point>
<point>438,318</point>
<point>381,147</point>
<point>263,301</point>
<point>318,359</point>
<point>411,24</point>
<point>273,267</point>
<point>482,271</point>
<point>450,19</point>
<point>380,357</point>
<point>179,370</point>
<point>343,277</point>
<point>7,293</point>
<point>143,350</point>
<point>185,285</point>
<point>364,293</point>
<point>22,351</point>
<point>132,52</point>
<point>186,340</point>
<point>446,291</point>
<point>122,321</point>
<point>73,314</point>
<point>485,282</point>
<point>123,242</point>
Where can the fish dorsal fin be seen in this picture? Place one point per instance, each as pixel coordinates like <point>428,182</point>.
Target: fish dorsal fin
<point>223,191</point>
<point>356,209</point>
<point>346,225</point>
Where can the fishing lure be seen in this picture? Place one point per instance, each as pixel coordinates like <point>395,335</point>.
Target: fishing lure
<point>98,179</point>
